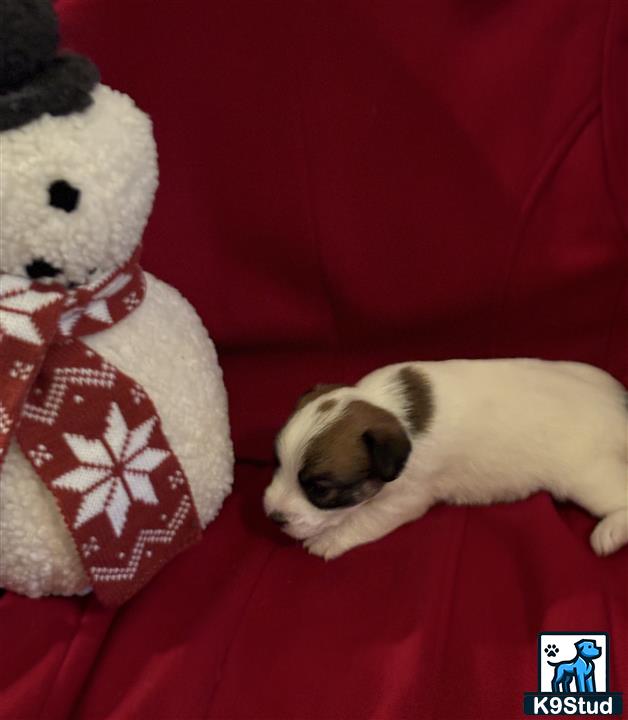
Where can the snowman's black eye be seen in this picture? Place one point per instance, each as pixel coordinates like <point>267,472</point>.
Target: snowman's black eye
<point>63,196</point>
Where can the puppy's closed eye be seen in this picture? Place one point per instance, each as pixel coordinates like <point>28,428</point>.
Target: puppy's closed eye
<point>315,484</point>
<point>322,494</point>
<point>326,493</point>
<point>320,489</point>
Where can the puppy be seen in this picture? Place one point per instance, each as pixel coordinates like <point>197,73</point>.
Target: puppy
<point>355,463</point>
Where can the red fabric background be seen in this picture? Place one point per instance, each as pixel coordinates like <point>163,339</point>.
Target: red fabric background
<point>347,184</point>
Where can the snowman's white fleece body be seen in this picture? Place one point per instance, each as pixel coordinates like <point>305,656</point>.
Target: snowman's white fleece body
<point>165,348</point>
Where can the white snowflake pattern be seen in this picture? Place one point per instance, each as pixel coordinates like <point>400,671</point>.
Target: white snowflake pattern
<point>90,547</point>
<point>176,479</point>
<point>18,303</point>
<point>6,421</point>
<point>131,301</point>
<point>96,309</point>
<point>21,370</point>
<point>40,455</point>
<point>138,394</point>
<point>114,471</point>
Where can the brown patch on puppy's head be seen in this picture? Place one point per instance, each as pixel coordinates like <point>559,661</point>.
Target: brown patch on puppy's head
<point>419,398</point>
<point>315,393</point>
<point>327,405</point>
<point>350,461</point>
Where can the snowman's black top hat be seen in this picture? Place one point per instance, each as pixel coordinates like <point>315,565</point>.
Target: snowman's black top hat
<point>35,78</point>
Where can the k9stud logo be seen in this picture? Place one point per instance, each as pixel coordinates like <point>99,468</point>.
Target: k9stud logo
<point>573,673</point>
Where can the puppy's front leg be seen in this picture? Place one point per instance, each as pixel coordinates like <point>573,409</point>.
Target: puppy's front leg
<point>366,524</point>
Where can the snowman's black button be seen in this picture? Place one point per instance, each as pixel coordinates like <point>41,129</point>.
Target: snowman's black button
<point>63,196</point>
<point>40,268</point>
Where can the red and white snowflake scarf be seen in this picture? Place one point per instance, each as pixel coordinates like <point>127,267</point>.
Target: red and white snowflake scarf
<point>90,432</point>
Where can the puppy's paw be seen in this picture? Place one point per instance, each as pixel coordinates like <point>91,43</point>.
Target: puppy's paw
<point>610,533</point>
<point>327,545</point>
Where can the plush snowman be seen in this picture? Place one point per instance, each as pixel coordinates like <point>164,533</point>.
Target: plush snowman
<point>113,415</point>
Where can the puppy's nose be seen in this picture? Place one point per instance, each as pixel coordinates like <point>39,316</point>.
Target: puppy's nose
<point>278,518</point>
<point>40,268</point>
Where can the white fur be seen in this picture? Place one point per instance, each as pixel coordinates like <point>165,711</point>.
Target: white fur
<point>108,152</point>
<point>501,430</point>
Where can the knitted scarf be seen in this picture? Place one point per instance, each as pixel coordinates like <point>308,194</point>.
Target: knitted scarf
<point>90,432</point>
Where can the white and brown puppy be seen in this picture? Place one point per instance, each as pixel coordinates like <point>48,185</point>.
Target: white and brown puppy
<point>357,462</point>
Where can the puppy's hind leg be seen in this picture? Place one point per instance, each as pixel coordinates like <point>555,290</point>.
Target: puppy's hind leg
<point>603,491</point>
<point>611,533</point>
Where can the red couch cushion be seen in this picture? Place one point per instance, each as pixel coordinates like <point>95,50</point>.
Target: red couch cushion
<point>345,185</point>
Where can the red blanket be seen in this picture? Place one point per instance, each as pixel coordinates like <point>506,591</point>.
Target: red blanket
<point>357,183</point>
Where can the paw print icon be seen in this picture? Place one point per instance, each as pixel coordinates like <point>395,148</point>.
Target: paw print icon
<point>551,650</point>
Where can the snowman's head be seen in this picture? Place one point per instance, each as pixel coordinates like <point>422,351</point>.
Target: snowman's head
<point>76,190</point>
<point>78,164</point>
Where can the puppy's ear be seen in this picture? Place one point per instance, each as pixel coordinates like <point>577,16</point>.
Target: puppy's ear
<point>315,392</point>
<point>388,450</point>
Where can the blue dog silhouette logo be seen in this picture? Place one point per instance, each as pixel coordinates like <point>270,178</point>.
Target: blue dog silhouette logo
<point>581,668</point>
<point>573,676</point>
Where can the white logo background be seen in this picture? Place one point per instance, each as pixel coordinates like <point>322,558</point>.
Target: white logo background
<point>567,651</point>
